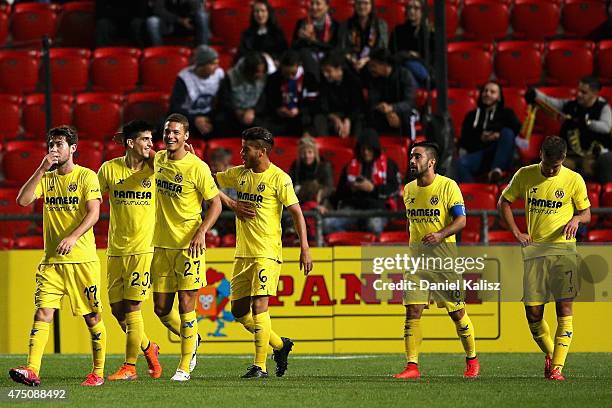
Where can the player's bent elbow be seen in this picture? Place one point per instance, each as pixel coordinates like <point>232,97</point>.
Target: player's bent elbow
<point>22,202</point>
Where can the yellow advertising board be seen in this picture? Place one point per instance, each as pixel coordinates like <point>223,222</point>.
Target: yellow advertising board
<point>336,309</point>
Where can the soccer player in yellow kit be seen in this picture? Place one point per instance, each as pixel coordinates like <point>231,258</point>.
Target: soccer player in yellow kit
<point>436,212</point>
<point>70,265</point>
<point>551,192</point>
<point>179,266</point>
<point>129,181</point>
<point>263,189</point>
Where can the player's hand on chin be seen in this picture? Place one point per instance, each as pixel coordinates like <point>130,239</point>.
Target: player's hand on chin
<point>433,238</point>
<point>66,245</point>
<point>197,245</point>
<point>244,209</point>
<point>305,261</point>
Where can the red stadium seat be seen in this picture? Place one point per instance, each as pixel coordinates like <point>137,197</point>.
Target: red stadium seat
<point>349,238</point>
<point>89,154</point>
<point>33,145</point>
<point>30,242</point>
<point>284,152</point>
<point>233,144</point>
<point>606,201</point>
<point>501,236</point>
<point>148,106</point>
<point>5,242</point>
<point>22,64</point>
<point>535,19</point>
<point>161,65</point>
<point>10,116</point>
<point>77,23</point>
<point>69,69</point>
<point>34,119</point>
<point>452,16</point>
<point>394,237</point>
<point>19,163</point>
<point>397,153</point>
<point>514,98</point>
<point>532,153</point>
<point>115,69</point>
<point>470,237</point>
<point>594,200</point>
<point>460,102</point>
<point>326,141</point>
<point>97,114</point>
<point>519,63</point>
<point>568,60</point>
<point>469,64</point>
<point>101,241</point>
<point>393,13</point>
<point>471,187</point>
<point>4,27</point>
<point>604,235</point>
<point>288,17</point>
<point>112,150</point>
<point>9,206</point>
<point>341,11</point>
<point>479,200</point>
<point>485,20</point>
<point>31,21</point>
<point>544,123</point>
<point>228,23</point>
<point>604,61</point>
<point>101,227</point>
<point>338,156</point>
<point>212,240</point>
<point>581,17</point>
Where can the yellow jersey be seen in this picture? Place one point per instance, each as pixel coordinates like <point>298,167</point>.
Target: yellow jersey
<point>431,208</point>
<point>549,202</point>
<point>65,206</point>
<point>269,191</point>
<point>131,194</point>
<point>181,185</point>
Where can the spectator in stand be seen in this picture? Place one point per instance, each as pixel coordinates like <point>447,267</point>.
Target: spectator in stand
<point>409,44</point>
<point>340,103</point>
<point>362,33</point>
<point>309,166</point>
<point>311,198</point>
<point>241,99</point>
<point>370,181</point>
<point>487,136</point>
<point>220,160</point>
<point>290,93</point>
<point>263,34</point>
<point>586,129</point>
<point>178,17</point>
<point>315,35</point>
<point>195,91</point>
<point>391,90</point>
<point>118,19</point>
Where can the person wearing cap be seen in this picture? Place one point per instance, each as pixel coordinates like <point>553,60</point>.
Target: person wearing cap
<point>196,88</point>
<point>129,182</point>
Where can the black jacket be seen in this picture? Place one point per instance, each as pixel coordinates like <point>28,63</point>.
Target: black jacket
<point>344,98</point>
<point>272,42</point>
<point>316,45</point>
<point>397,89</point>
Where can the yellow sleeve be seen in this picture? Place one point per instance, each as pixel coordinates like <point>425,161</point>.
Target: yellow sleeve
<point>455,196</point>
<point>102,178</point>
<point>205,183</point>
<point>39,188</point>
<point>580,197</point>
<point>286,193</point>
<point>405,196</point>
<point>514,190</point>
<point>228,178</point>
<point>91,189</point>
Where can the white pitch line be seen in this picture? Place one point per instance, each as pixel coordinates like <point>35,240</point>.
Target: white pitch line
<point>222,356</point>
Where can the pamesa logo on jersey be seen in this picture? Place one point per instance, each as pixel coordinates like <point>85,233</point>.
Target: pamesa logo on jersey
<point>213,302</point>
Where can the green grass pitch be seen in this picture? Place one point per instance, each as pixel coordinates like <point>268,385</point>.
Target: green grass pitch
<point>334,381</point>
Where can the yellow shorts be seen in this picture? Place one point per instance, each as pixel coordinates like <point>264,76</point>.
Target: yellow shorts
<point>129,277</point>
<point>80,281</point>
<point>173,270</point>
<point>550,277</point>
<point>254,277</point>
<point>450,298</point>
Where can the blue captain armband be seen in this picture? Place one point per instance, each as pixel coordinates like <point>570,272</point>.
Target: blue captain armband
<point>457,210</point>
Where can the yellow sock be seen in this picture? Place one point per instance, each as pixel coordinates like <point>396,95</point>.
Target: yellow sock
<point>38,341</point>
<point>172,321</point>
<point>144,344</point>
<point>262,329</point>
<point>465,331</point>
<point>412,339</point>
<point>98,347</point>
<point>563,339</point>
<point>134,332</point>
<point>189,335</point>
<point>541,335</point>
<point>247,321</point>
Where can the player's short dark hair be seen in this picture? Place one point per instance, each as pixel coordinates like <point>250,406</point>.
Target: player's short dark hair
<point>178,118</point>
<point>554,148</point>
<point>290,58</point>
<point>262,136</point>
<point>592,82</point>
<point>67,132</point>
<point>432,149</point>
<point>132,129</point>
<point>333,59</point>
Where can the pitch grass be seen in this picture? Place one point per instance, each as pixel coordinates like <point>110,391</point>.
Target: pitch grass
<point>507,380</point>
